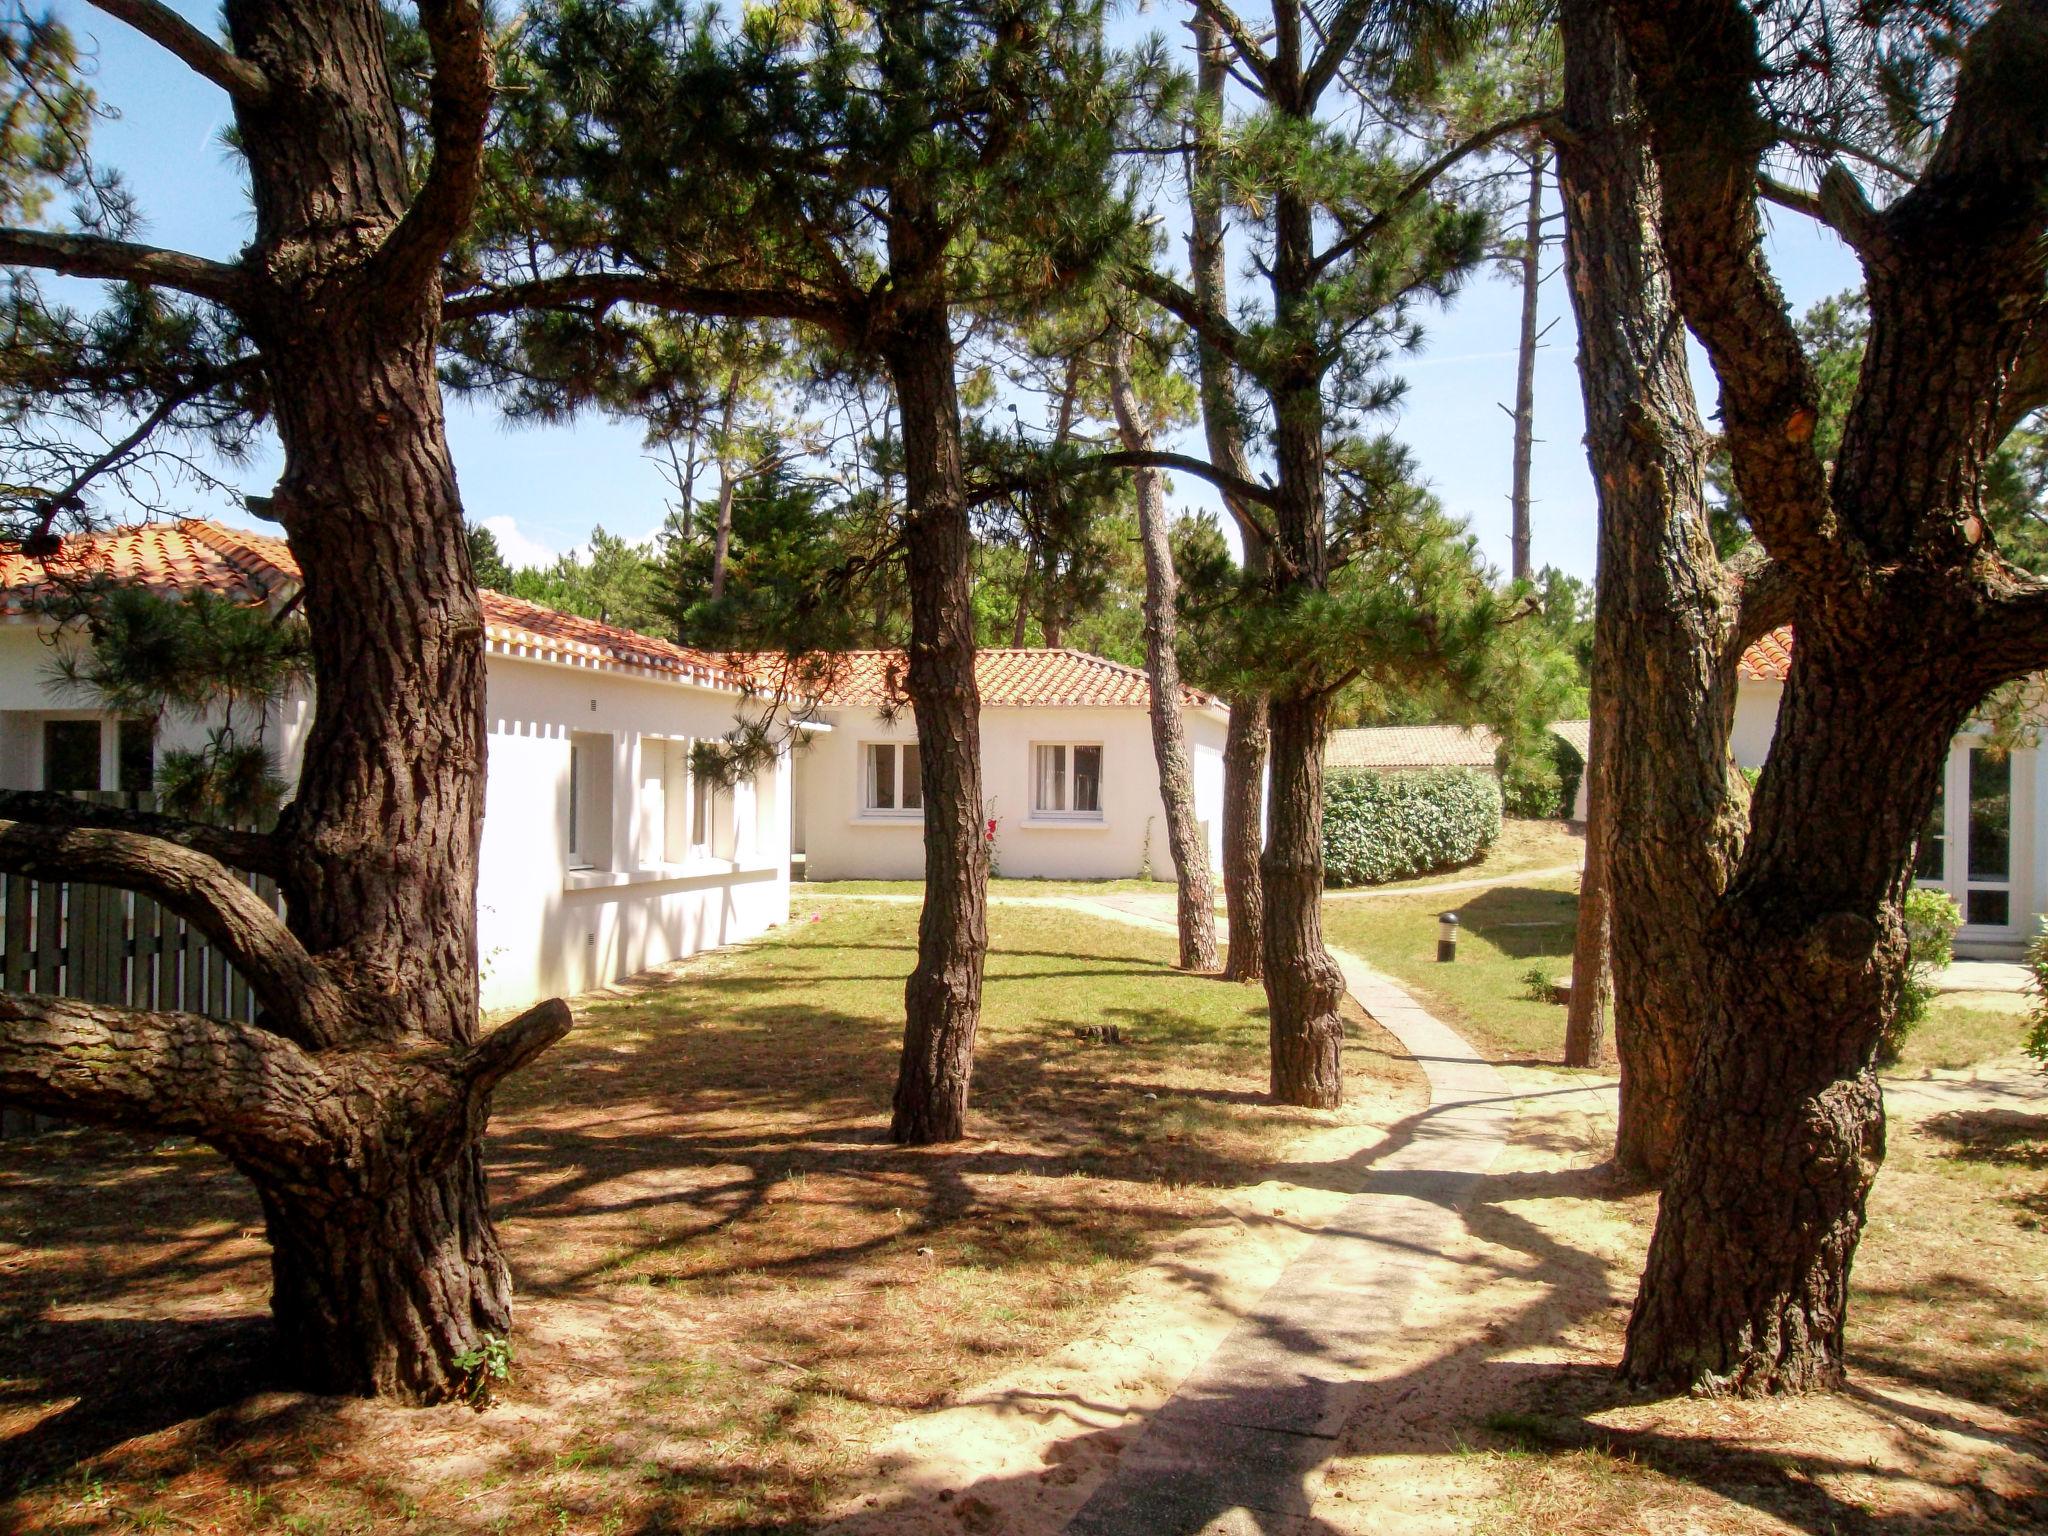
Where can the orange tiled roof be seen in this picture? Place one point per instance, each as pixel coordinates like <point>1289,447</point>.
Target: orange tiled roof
<point>1007,679</point>
<point>187,556</point>
<point>1769,660</point>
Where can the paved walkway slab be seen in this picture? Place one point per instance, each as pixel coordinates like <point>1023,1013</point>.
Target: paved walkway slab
<point>1240,1447</point>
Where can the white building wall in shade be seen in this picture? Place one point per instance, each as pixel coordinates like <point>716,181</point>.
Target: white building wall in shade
<point>545,928</point>
<point>844,841</point>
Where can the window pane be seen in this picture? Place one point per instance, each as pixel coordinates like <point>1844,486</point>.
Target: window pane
<point>881,778</point>
<point>700,811</point>
<point>1930,862</point>
<point>1990,815</point>
<point>913,780</point>
<point>1051,793</point>
<point>71,754</point>
<point>1088,779</point>
<point>138,756</point>
<point>1991,908</point>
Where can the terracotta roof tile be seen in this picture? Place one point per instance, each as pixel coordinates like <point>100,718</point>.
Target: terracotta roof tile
<point>175,558</point>
<point>1769,660</point>
<point>1007,679</point>
<point>1412,746</point>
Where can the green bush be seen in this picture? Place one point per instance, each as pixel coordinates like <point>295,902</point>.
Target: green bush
<point>1931,923</point>
<point>1381,827</point>
<point>1544,785</point>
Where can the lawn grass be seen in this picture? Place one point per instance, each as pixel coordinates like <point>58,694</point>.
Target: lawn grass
<point>728,1280</point>
<point>1505,931</point>
<point>1962,1029</point>
<point>999,885</point>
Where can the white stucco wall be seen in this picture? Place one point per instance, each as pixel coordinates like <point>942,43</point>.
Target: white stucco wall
<point>843,842</point>
<point>543,929</point>
<point>1756,721</point>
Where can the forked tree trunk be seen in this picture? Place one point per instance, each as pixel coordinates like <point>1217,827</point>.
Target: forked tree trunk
<point>1196,902</point>
<point>1746,1286</point>
<point>1662,689</point>
<point>942,1000</point>
<point>1244,750</point>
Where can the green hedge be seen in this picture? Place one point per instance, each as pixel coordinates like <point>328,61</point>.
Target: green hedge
<point>1546,786</point>
<point>1381,827</point>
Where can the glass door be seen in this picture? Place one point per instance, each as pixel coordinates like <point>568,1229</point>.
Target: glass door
<point>1987,897</point>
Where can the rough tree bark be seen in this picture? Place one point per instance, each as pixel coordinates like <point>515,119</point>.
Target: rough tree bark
<point>1906,617</point>
<point>1525,365</point>
<point>357,1105</point>
<point>1663,700</point>
<point>1196,901</point>
<point>942,1000</point>
<point>1244,747</point>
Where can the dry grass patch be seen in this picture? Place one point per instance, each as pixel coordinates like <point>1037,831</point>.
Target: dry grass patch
<point>730,1284</point>
<point>1519,1428</point>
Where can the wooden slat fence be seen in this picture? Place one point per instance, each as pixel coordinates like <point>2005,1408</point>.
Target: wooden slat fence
<point>101,945</point>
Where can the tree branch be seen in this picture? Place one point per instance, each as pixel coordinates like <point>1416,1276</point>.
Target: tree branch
<point>456,120</point>
<point>302,1001</point>
<point>236,1085</point>
<point>190,46</point>
<point>1695,64</point>
<point>1177,301</point>
<point>1766,599</point>
<point>122,261</point>
<point>829,312</point>
<point>513,1044</point>
<point>260,853</point>
<point>1426,177</point>
<point>2026,386</point>
<point>1231,485</point>
<point>1241,41</point>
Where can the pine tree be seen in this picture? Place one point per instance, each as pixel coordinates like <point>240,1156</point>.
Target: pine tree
<point>867,174</point>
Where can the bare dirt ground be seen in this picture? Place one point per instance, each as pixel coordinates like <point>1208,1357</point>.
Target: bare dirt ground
<point>732,1289</point>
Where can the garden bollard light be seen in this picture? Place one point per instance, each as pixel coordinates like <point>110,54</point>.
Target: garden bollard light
<point>1446,938</point>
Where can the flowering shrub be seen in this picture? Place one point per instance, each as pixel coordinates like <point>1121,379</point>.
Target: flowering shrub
<point>1381,827</point>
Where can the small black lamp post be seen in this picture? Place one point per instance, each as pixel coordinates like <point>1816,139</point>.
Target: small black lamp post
<point>1447,938</point>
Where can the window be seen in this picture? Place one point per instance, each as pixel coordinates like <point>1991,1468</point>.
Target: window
<point>590,800</point>
<point>137,756</point>
<point>702,794</point>
<point>893,779</point>
<point>1930,859</point>
<point>71,754</point>
<point>1066,781</point>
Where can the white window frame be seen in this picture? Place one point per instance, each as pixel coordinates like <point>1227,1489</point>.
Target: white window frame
<point>1069,781</point>
<point>904,754</point>
<point>592,819</point>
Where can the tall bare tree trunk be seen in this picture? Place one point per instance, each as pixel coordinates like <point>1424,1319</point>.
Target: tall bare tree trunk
<point>1244,750</point>
<point>721,538</point>
<point>1525,363</point>
<point>942,1000</point>
<point>1196,901</point>
<point>1664,699</point>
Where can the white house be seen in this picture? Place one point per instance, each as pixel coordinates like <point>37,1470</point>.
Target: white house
<point>1984,842</point>
<point>601,855</point>
<point>1068,771</point>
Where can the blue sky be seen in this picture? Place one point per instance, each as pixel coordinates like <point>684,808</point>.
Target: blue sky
<point>542,489</point>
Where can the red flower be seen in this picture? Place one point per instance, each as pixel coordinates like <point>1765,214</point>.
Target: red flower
<point>991,829</point>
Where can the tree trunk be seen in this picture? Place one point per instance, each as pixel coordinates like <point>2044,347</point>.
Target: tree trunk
<point>1244,818</point>
<point>721,537</point>
<point>376,1295</point>
<point>1197,904</point>
<point>1664,698</point>
<point>1525,365</point>
<point>1303,985</point>
<point>942,1001</point>
<point>1746,1286</point>
<point>1585,1026</point>
<point>1244,751</point>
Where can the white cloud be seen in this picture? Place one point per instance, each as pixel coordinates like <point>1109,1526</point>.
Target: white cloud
<point>516,547</point>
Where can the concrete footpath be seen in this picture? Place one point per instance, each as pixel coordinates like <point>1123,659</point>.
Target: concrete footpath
<point>1240,1446</point>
